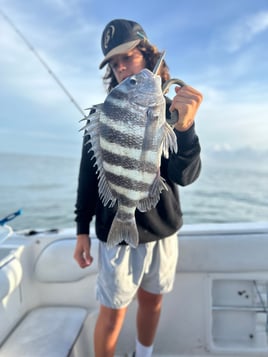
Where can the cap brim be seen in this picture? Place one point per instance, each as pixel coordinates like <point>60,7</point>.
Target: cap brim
<point>121,49</point>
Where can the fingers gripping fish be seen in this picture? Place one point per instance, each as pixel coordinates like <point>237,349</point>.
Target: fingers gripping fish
<point>128,135</point>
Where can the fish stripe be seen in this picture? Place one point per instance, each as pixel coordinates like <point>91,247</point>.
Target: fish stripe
<point>128,197</point>
<point>126,202</point>
<point>126,182</point>
<point>117,111</point>
<point>133,153</point>
<point>124,139</point>
<point>135,176</point>
<point>127,208</point>
<point>127,163</point>
<point>124,216</point>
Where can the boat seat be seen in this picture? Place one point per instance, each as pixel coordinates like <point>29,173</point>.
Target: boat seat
<point>45,331</point>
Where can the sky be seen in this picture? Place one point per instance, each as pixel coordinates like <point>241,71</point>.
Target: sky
<point>218,47</point>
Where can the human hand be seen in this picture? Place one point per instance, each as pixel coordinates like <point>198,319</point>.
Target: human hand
<point>186,101</point>
<point>82,251</point>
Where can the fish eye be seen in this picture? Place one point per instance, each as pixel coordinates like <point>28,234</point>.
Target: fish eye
<point>132,80</point>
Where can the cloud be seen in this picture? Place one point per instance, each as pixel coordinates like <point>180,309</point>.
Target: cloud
<point>245,30</point>
<point>67,36</point>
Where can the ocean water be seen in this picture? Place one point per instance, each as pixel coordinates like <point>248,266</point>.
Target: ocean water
<point>231,188</point>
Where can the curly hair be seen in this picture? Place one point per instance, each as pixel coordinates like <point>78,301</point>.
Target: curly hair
<point>151,54</point>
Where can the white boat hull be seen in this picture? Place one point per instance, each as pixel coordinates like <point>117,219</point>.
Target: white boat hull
<point>218,306</point>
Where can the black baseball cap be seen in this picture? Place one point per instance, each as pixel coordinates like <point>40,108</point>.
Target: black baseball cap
<point>120,36</point>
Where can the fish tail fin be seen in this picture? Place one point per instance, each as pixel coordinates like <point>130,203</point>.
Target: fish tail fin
<point>123,231</point>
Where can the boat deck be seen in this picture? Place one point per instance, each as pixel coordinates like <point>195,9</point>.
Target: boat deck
<point>218,307</point>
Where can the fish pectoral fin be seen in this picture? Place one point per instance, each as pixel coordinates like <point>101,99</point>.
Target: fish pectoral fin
<point>154,195</point>
<point>123,231</point>
<point>169,141</point>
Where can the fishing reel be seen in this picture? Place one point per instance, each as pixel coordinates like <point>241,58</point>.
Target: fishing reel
<point>174,116</point>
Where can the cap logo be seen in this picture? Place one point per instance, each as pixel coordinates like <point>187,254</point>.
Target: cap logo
<point>108,36</point>
<point>141,35</point>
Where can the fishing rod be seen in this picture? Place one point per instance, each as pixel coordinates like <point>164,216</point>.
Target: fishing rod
<point>36,54</point>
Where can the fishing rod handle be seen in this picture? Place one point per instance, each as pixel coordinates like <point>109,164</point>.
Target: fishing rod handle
<point>9,217</point>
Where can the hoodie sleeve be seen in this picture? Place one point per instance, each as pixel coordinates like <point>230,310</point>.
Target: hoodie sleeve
<point>184,167</point>
<point>87,191</point>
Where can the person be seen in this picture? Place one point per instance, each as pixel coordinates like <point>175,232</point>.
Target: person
<point>148,271</point>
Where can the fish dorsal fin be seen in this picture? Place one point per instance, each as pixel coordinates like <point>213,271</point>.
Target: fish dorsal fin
<point>93,131</point>
<point>105,192</point>
<point>169,141</point>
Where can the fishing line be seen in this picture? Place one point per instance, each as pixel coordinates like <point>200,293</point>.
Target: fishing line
<point>36,54</point>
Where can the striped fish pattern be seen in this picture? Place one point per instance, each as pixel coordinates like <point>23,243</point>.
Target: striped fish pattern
<point>128,135</point>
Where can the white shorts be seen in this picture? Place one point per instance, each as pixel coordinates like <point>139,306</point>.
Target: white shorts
<point>123,269</point>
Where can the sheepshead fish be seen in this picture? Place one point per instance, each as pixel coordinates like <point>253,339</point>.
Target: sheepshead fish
<point>128,134</point>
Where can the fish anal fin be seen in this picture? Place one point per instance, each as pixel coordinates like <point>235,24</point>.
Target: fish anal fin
<point>154,195</point>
